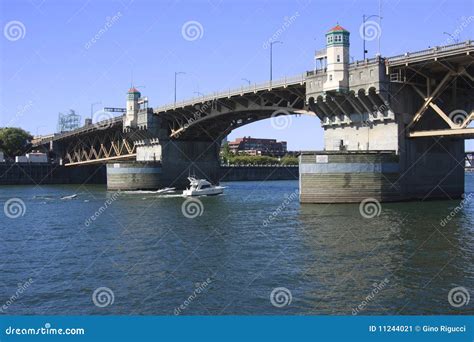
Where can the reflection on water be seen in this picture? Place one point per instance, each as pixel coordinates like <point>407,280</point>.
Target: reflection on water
<point>245,243</point>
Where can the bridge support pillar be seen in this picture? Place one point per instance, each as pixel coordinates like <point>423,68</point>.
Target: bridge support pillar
<point>423,169</point>
<point>178,160</point>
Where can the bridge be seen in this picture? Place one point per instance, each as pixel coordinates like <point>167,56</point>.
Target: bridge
<point>409,106</point>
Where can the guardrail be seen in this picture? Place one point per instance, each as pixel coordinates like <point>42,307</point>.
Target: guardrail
<point>233,92</point>
<point>432,51</point>
<point>99,125</point>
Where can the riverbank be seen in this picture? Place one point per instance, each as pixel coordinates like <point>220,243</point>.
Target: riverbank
<point>43,174</point>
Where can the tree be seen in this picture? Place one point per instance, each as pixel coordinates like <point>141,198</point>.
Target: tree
<point>226,154</point>
<point>14,141</point>
<point>289,160</point>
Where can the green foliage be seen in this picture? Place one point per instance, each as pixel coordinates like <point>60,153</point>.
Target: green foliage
<point>289,160</point>
<point>225,153</point>
<point>14,141</point>
<point>252,160</point>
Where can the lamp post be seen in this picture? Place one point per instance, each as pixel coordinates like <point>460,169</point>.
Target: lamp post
<point>271,58</point>
<point>92,108</point>
<point>176,73</point>
<point>364,20</point>
<point>199,93</point>
<point>452,37</point>
<point>246,80</point>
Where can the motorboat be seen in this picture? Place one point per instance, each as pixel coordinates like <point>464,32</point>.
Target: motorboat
<point>201,187</point>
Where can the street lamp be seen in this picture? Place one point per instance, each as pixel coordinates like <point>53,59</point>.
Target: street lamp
<point>452,37</point>
<point>199,93</point>
<point>271,58</point>
<point>246,80</point>
<point>92,108</point>
<point>176,73</point>
<point>364,20</point>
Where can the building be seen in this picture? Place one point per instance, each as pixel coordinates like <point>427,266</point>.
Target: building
<point>258,147</point>
<point>32,157</point>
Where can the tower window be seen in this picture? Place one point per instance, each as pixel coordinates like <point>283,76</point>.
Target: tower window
<point>338,58</point>
<point>330,77</point>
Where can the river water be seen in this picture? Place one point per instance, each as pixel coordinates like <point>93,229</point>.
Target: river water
<point>253,250</point>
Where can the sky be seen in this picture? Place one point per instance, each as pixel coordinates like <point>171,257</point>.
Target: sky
<point>52,63</point>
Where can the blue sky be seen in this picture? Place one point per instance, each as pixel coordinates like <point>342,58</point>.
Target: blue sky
<point>56,66</point>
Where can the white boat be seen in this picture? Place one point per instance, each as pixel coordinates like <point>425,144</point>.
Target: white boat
<point>165,191</point>
<point>201,187</point>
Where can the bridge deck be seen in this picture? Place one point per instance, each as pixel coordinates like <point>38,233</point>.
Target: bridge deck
<point>435,53</point>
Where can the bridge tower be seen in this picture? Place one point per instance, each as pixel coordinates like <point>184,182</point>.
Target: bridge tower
<point>337,54</point>
<point>133,107</point>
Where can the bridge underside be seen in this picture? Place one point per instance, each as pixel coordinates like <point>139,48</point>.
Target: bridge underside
<point>444,96</point>
<point>213,120</point>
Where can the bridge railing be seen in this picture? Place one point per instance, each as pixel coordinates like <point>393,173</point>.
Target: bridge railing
<point>236,91</point>
<point>430,51</point>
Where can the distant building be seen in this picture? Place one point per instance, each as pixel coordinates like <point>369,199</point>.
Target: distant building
<point>258,147</point>
<point>33,157</point>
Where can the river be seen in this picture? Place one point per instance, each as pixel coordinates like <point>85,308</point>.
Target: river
<point>254,250</point>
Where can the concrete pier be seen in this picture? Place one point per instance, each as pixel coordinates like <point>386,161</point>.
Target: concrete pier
<point>343,177</point>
